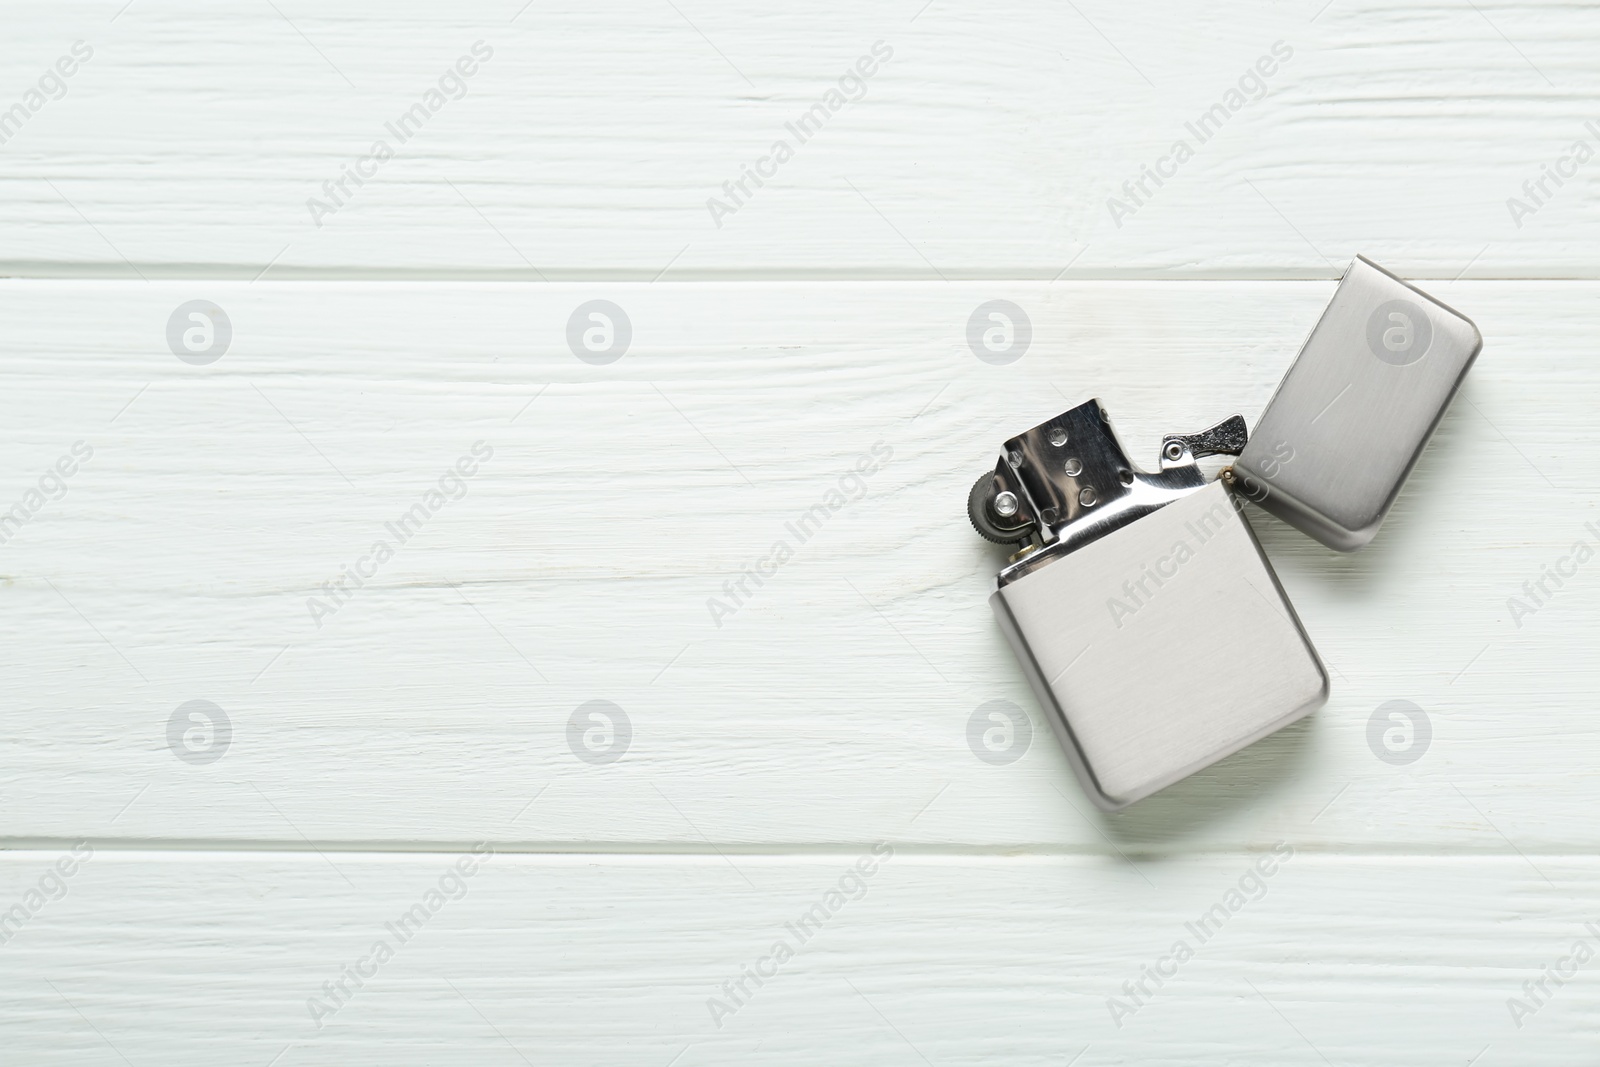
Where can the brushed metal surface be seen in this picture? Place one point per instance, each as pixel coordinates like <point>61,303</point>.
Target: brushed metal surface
<point>1356,408</point>
<point>1163,648</point>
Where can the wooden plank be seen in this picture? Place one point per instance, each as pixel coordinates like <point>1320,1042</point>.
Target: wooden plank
<point>1303,958</point>
<point>833,706</point>
<point>990,143</point>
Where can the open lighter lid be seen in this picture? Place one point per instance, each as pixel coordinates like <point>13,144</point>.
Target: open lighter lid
<point>1356,408</point>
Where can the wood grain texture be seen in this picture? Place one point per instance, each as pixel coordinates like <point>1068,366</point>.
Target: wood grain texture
<point>833,706</point>
<point>192,959</point>
<point>375,346</point>
<point>989,144</point>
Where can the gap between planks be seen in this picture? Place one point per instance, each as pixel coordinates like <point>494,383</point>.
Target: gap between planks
<point>19,848</point>
<point>213,272</point>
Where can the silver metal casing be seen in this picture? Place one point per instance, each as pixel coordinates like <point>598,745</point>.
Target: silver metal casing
<point>1356,408</point>
<point>1160,648</point>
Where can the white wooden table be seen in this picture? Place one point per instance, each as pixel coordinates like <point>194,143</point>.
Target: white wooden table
<point>793,768</point>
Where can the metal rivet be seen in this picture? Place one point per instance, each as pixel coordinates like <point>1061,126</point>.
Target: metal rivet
<point>1016,459</point>
<point>1074,467</point>
<point>1005,505</point>
<point>1174,450</point>
<point>1058,437</point>
<point>1087,497</point>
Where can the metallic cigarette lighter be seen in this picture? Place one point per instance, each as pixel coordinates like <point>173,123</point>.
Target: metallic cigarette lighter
<point>1146,617</point>
<point>1353,413</point>
<point>1141,607</point>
